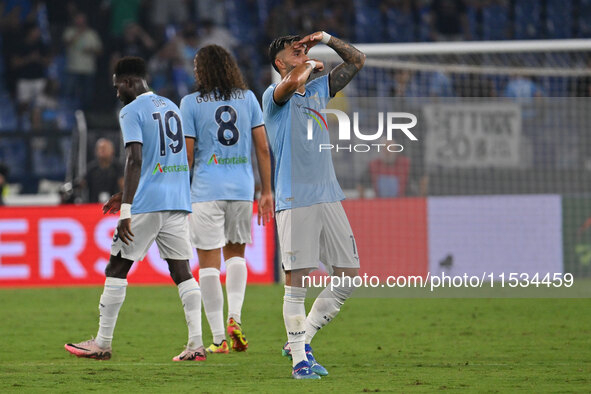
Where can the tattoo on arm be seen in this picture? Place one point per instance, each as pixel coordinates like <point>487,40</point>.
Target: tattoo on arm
<point>353,58</point>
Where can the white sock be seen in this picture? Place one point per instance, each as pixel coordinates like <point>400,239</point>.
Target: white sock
<point>326,306</point>
<point>213,302</point>
<point>190,294</point>
<point>236,275</point>
<point>109,305</point>
<point>294,316</point>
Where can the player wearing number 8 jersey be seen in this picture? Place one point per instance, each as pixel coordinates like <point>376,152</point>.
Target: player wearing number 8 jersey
<point>154,206</point>
<point>223,120</point>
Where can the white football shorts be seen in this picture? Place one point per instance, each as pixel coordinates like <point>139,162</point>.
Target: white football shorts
<point>216,223</point>
<point>320,232</point>
<point>170,230</point>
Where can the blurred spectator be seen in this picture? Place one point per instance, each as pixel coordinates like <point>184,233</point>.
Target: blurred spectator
<point>522,88</point>
<point>187,47</point>
<point>3,182</point>
<point>212,34</point>
<point>30,61</point>
<point>83,46</point>
<point>407,83</point>
<point>284,19</point>
<point>160,70</point>
<point>135,42</point>
<point>123,12</point>
<point>400,20</point>
<point>449,21</point>
<point>104,176</point>
<point>169,12</point>
<point>45,107</point>
<point>213,9</point>
<point>388,173</point>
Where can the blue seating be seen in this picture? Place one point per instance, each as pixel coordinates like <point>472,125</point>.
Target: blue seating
<point>559,18</point>
<point>400,26</point>
<point>242,19</point>
<point>368,21</point>
<point>528,19</point>
<point>495,22</point>
<point>584,19</point>
<point>473,28</point>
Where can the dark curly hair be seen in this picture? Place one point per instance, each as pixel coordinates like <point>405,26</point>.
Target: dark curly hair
<point>131,65</point>
<point>217,72</point>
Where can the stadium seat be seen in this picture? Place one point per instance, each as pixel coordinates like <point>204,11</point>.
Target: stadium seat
<point>242,19</point>
<point>368,21</point>
<point>8,119</point>
<point>400,25</point>
<point>527,22</point>
<point>584,19</point>
<point>559,18</point>
<point>495,22</point>
<point>473,25</point>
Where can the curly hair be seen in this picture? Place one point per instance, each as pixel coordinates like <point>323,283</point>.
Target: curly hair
<point>217,72</point>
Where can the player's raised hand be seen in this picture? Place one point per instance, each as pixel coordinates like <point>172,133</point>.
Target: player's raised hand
<point>124,230</point>
<point>318,65</point>
<point>114,204</point>
<point>309,41</point>
<point>265,211</point>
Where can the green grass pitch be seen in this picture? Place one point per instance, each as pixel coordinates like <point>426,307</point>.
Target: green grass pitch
<point>375,344</point>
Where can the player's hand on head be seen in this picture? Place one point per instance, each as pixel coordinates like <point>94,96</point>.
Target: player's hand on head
<point>114,204</point>
<point>124,230</point>
<point>309,41</point>
<point>265,209</point>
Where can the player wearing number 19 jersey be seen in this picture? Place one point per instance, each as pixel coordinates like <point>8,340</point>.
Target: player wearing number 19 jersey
<point>154,206</point>
<point>223,120</point>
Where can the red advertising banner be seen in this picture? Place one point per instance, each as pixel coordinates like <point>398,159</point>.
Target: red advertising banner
<point>70,245</point>
<point>391,235</point>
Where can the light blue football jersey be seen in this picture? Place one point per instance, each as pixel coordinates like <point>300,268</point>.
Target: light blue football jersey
<point>304,175</point>
<point>223,133</point>
<point>156,123</point>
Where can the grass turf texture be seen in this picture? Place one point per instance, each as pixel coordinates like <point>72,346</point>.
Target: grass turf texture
<point>399,345</point>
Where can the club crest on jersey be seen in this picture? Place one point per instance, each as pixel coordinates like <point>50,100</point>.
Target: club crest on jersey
<point>316,98</point>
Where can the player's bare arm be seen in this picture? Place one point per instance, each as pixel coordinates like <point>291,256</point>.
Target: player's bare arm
<point>133,169</point>
<point>265,205</point>
<point>296,78</point>
<point>190,144</point>
<point>353,59</point>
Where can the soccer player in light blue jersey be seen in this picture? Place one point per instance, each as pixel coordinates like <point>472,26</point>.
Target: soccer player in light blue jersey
<point>154,206</point>
<point>223,120</point>
<point>311,223</point>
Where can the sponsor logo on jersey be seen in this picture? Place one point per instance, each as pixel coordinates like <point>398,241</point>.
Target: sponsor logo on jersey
<point>227,160</point>
<point>168,169</point>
